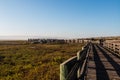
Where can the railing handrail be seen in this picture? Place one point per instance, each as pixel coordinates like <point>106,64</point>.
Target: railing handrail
<point>68,60</point>
<point>82,57</point>
<point>113,48</point>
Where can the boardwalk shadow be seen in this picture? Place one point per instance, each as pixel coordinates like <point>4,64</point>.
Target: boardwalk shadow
<point>115,65</point>
<point>101,73</point>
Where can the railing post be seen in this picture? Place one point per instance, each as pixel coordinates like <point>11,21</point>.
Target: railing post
<point>119,50</point>
<point>66,67</point>
<point>78,58</point>
<point>63,72</point>
<point>78,55</point>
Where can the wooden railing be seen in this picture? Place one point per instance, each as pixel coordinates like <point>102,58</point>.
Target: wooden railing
<point>66,67</point>
<point>75,67</point>
<point>115,47</point>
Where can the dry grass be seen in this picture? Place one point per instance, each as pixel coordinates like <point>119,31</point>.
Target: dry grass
<point>34,61</point>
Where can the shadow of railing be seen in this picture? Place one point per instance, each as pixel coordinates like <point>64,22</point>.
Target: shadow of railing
<point>100,68</point>
<point>115,65</point>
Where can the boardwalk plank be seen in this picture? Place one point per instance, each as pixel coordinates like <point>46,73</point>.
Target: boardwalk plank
<point>103,65</point>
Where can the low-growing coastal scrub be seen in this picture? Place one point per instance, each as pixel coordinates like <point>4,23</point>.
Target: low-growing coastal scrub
<point>34,61</point>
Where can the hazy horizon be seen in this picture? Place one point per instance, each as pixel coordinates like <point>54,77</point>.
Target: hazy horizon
<point>2,38</point>
<point>59,18</point>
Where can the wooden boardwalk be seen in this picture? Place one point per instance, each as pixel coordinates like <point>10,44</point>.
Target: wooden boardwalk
<point>102,64</point>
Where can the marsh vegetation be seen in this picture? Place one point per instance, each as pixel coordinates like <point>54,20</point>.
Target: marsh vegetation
<point>34,61</point>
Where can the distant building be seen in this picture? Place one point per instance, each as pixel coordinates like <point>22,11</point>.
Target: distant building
<point>42,41</point>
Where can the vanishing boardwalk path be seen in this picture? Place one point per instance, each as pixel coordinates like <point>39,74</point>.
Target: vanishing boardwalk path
<point>102,65</point>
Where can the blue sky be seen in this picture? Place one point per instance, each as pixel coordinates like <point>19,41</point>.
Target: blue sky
<point>60,18</point>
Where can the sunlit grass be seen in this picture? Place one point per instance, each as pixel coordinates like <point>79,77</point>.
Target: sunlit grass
<point>34,61</point>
